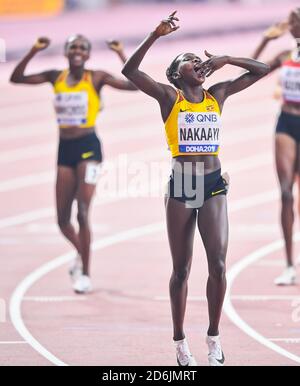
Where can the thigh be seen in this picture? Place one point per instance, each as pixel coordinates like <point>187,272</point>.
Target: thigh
<point>213,227</point>
<point>87,175</point>
<point>66,186</point>
<point>181,223</point>
<point>286,158</point>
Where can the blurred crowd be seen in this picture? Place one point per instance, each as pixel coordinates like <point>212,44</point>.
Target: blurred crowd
<point>75,4</point>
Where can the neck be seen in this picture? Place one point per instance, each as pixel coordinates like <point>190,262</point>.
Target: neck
<point>76,72</point>
<point>193,94</point>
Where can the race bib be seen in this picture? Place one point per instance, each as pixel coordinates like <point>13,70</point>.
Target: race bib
<point>199,132</point>
<point>71,108</point>
<point>290,83</point>
<point>92,173</point>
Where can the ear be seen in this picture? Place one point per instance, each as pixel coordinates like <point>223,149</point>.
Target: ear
<point>176,75</point>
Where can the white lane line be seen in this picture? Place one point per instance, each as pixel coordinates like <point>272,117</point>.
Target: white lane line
<point>234,168</point>
<point>230,311</point>
<point>286,340</point>
<point>27,217</point>
<point>231,138</point>
<point>22,288</point>
<point>14,342</point>
<point>54,299</point>
<point>244,298</point>
<point>27,180</point>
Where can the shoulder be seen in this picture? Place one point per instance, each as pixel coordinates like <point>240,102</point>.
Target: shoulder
<point>218,90</point>
<point>281,58</point>
<point>99,75</point>
<point>53,75</point>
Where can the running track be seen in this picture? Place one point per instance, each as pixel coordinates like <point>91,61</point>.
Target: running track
<point>126,321</point>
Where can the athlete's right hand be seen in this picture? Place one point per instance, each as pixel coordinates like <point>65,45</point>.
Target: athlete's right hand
<point>41,44</point>
<point>167,26</point>
<point>276,30</point>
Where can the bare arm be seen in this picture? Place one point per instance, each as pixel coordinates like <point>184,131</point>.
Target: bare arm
<point>161,92</point>
<point>272,33</point>
<point>18,75</point>
<point>117,47</point>
<point>255,71</point>
<point>102,78</point>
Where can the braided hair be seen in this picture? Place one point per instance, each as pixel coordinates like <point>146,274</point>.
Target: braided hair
<point>170,71</point>
<point>296,11</point>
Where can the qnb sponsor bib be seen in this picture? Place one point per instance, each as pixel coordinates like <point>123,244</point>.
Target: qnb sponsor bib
<point>199,132</point>
<point>290,83</point>
<point>71,108</point>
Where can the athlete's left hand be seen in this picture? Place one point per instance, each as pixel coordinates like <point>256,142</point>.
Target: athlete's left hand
<point>214,63</point>
<point>115,45</point>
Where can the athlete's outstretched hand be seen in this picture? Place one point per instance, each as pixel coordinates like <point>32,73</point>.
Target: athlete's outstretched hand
<point>115,45</point>
<point>167,26</point>
<point>214,63</point>
<point>41,44</point>
<point>276,30</point>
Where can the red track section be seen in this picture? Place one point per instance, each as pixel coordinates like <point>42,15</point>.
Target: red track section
<point>127,321</point>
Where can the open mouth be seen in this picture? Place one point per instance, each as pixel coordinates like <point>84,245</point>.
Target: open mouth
<point>199,69</point>
<point>77,59</point>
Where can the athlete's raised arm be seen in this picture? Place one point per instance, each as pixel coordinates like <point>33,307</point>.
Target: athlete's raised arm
<point>222,90</point>
<point>102,78</point>
<point>18,75</point>
<point>161,92</point>
<point>272,33</point>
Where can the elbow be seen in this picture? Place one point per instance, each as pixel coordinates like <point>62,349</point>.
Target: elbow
<point>15,79</point>
<point>12,79</point>
<point>128,71</point>
<point>125,71</point>
<point>265,70</point>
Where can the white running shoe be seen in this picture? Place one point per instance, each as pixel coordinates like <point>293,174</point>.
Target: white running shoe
<point>215,353</point>
<point>75,269</point>
<point>183,354</point>
<point>82,285</point>
<point>288,277</point>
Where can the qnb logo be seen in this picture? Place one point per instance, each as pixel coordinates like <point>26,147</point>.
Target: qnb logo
<point>2,311</point>
<point>189,118</point>
<point>2,51</point>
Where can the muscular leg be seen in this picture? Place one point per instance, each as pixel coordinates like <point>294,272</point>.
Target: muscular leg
<point>213,227</point>
<point>286,155</point>
<point>181,228</point>
<point>65,193</point>
<point>84,196</point>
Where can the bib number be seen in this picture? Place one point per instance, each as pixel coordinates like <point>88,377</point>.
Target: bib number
<point>71,108</point>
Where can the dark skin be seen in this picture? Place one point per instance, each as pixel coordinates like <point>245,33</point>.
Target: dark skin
<point>70,182</point>
<point>287,150</point>
<point>211,218</point>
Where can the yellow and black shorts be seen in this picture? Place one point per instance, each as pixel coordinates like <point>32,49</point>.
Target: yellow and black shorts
<point>73,151</point>
<point>194,190</point>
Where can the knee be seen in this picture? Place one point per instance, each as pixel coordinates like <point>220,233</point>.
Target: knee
<point>82,215</point>
<point>217,269</point>
<point>287,194</point>
<point>181,275</point>
<point>63,221</point>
